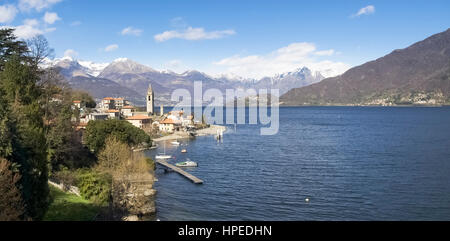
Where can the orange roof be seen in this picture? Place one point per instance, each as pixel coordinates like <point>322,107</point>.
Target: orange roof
<point>167,121</point>
<point>76,101</point>
<point>139,117</point>
<point>128,107</point>
<point>108,98</point>
<point>112,111</point>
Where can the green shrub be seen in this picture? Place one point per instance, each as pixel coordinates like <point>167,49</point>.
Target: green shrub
<point>98,131</point>
<point>151,163</point>
<point>94,186</point>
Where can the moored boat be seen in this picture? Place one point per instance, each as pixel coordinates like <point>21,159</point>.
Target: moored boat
<point>187,164</point>
<point>163,156</point>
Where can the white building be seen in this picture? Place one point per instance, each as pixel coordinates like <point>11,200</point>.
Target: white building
<point>127,111</point>
<point>168,125</point>
<point>113,114</point>
<point>96,116</point>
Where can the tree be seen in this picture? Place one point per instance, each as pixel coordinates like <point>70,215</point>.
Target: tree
<point>84,97</point>
<point>131,174</point>
<point>59,139</point>
<point>28,145</point>
<point>97,132</point>
<point>10,46</point>
<point>64,141</point>
<point>39,50</point>
<point>11,204</point>
<point>113,155</point>
<point>22,120</point>
<point>117,159</point>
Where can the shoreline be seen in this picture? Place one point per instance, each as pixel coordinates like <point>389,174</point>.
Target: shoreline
<point>212,130</point>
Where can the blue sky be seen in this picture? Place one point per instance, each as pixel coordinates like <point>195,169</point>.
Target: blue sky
<point>247,38</point>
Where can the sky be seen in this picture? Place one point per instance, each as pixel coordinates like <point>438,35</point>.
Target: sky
<point>252,38</point>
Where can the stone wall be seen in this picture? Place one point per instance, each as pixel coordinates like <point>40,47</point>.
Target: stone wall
<point>131,197</point>
<point>65,187</point>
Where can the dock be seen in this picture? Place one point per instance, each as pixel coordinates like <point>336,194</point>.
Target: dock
<point>180,171</point>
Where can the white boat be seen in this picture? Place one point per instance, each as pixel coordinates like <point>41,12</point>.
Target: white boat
<point>187,164</point>
<point>175,143</point>
<point>163,156</point>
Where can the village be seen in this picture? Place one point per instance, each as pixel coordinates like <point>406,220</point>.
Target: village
<point>159,125</point>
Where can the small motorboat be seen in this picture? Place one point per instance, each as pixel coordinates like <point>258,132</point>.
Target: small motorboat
<point>163,157</point>
<point>187,164</point>
<point>184,151</point>
<point>175,143</point>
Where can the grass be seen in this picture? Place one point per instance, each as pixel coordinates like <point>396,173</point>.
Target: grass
<point>69,207</point>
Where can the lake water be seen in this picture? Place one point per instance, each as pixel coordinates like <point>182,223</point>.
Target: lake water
<point>353,163</point>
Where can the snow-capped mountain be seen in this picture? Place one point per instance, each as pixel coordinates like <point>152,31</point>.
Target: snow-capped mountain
<point>125,66</point>
<point>133,78</point>
<point>287,81</point>
<point>94,69</point>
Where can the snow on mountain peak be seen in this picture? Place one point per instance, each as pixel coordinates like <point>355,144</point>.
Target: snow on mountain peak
<point>94,69</point>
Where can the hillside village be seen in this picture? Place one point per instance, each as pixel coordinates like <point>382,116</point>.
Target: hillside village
<point>151,121</point>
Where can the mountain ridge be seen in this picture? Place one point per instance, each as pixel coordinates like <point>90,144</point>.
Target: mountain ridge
<point>134,78</point>
<point>418,74</point>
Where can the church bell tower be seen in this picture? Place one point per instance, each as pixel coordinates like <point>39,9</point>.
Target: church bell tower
<point>150,100</point>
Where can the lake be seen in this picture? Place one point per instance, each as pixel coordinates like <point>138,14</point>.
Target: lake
<point>352,163</point>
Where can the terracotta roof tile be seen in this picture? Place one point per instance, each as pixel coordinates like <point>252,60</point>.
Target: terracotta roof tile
<point>139,117</point>
<point>167,121</point>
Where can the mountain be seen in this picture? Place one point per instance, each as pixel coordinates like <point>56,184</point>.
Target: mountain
<point>93,69</point>
<point>418,74</point>
<point>137,77</point>
<point>287,81</point>
<point>70,68</point>
<point>129,79</point>
<point>80,77</point>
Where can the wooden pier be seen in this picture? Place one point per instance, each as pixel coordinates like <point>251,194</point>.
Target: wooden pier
<point>180,171</point>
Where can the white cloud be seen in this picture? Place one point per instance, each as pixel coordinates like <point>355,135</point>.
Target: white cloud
<point>31,22</point>
<point>29,29</point>
<point>192,34</point>
<point>325,52</point>
<point>38,5</point>
<point>131,31</point>
<point>289,58</point>
<point>7,13</point>
<point>111,48</point>
<point>365,11</point>
<point>70,53</point>
<point>51,18</point>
